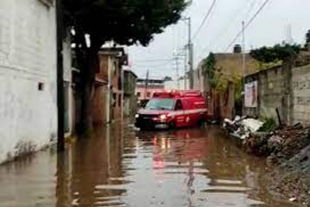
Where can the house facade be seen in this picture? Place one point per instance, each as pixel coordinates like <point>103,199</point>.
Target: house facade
<point>108,95</point>
<point>146,88</point>
<point>228,67</point>
<point>28,89</point>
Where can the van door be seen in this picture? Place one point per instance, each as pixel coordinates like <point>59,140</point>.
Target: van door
<point>180,117</point>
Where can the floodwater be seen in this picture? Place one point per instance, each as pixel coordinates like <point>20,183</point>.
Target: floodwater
<point>122,167</point>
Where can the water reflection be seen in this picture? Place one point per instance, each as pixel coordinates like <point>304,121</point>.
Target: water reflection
<point>119,167</point>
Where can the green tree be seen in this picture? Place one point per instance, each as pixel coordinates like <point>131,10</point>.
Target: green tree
<point>125,22</point>
<point>209,68</point>
<point>308,37</point>
<point>275,53</point>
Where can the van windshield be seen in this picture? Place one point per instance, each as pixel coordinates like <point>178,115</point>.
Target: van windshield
<point>160,104</point>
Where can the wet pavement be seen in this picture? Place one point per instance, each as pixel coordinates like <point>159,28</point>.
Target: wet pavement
<point>122,167</point>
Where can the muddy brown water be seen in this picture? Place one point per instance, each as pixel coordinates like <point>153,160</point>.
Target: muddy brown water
<point>122,167</point>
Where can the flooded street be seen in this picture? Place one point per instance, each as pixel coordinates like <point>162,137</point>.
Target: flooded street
<point>121,167</point>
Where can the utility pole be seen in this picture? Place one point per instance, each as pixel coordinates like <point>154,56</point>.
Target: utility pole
<point>185,70</point>
<point>60,83</point>
<point>243,51</point>
<point>191,66</point>
<point>190,54</point>
<point>177,71</point>
<point>146,84</point>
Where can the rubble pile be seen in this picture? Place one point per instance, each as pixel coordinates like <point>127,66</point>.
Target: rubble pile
<point>287,150</point>
<point>278,145</point>
<point>292,178</point>
<point>293,140</point>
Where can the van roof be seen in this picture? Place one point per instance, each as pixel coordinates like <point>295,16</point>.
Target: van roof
<point>177,94</point>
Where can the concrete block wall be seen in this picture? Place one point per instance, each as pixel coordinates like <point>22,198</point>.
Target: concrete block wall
<point>272,93</point>
<point>28,109</point>
<point>301,95</point>
<point>287,89</point>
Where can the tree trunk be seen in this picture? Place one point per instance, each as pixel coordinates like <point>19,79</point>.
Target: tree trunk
<point>87,88</point>
<point>87,59</point>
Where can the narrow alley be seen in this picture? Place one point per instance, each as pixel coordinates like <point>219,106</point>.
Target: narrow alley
<point>189,167</point>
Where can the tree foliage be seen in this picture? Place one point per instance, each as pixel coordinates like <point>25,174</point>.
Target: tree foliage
<point>275,53</point>
<point>308,37</point>
<point>209,68</point>
<point>126,22</point>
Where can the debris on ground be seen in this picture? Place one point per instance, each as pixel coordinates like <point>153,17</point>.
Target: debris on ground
<point>242,127</point>
<point>287,152</point>
<point>292,178</point>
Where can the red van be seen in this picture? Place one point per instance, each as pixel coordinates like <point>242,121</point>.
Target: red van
<point>173,110</point>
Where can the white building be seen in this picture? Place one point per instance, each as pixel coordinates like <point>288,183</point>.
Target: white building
<point>182,84</point>
<point>28,104</point>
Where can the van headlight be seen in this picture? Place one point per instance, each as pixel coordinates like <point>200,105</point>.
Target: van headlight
<point>163,118</point>
<point>137,116</point>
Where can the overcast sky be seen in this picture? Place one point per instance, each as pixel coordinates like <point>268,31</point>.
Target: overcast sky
<point>270,27</point>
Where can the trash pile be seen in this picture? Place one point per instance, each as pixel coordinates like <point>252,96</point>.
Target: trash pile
<point>242,127</point>
<point>278,145</point>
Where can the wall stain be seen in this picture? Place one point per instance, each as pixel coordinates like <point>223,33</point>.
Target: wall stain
<point>23,148</point>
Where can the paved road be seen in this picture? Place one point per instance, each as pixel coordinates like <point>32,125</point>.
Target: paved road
<point>121,167</point>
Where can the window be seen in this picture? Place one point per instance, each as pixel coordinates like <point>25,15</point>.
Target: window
<point>139,94</point>
<point>41,86</point>
<point>148,94</point>
<point>160,104</point>
<point>178,106</point>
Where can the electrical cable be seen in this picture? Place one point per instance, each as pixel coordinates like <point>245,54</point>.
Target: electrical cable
<point>205,19</point>
<point>226,28</point>
<point>247,24</point>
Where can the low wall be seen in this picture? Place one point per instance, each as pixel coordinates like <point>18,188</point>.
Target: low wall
<point>301,95</point>
<point>283,88</point>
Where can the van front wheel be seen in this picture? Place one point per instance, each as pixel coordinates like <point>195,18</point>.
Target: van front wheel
<point>172,125</point>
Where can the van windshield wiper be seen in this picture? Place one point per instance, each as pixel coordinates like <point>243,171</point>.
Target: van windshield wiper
<point>164,108</point>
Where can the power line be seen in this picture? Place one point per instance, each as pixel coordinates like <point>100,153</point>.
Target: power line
<point>252,6</point>
<point>154,60</point>
<point>205,19</point>
<point>226,28</point>
<point>153,64</point>
<point>248,24</point>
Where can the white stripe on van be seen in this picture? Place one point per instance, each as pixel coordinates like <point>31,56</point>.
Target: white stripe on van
<point>187,112</point>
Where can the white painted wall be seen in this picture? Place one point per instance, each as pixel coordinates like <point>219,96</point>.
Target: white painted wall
<point>28,117</point>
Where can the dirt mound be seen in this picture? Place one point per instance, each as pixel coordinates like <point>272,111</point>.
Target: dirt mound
<point>293,142</point>
<point>288,155</point>
<point>279,146</point>
<point>293,178</point>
